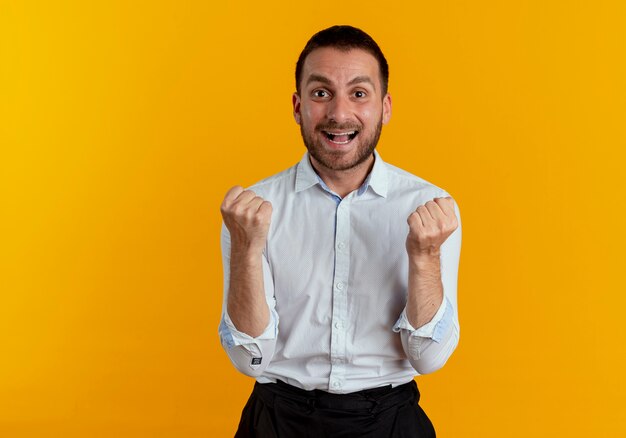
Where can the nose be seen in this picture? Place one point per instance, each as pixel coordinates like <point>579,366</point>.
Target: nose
<point>339,109</point>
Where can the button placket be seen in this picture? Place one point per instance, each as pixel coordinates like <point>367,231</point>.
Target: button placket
<point>340,299</point>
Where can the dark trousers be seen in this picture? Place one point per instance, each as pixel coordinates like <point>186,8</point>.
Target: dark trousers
<point>278,410</point>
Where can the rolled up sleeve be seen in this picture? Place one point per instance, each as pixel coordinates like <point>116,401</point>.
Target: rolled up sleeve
<point>249,355</point>
<point>430,346</point>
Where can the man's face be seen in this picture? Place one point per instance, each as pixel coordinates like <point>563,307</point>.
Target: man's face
<point>340,107</point>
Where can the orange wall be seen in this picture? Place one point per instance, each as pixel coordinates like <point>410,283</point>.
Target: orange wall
<point>124,123</point>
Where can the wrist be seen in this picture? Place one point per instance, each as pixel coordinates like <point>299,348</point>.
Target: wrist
<point>425,259</point>
<point>245,250</point>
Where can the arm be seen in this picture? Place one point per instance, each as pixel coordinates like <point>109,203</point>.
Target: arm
<point>433,247</point>
<point>249,322</point>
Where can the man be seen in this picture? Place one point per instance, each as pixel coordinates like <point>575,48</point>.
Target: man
<point>355,258</point>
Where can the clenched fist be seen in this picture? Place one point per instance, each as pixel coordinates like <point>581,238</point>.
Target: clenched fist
<point>430,225</point>
<point>247,217</point>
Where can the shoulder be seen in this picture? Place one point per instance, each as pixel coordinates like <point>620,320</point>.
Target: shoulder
<point>277,183</point>
<point>401,181</point>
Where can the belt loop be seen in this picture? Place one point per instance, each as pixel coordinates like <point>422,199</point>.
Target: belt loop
<point>374,409</point>
<point>310,402</point>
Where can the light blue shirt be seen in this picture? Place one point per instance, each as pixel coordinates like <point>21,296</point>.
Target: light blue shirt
<point>335,274</point>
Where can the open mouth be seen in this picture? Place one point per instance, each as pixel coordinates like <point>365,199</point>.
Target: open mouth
<point>341,137</point>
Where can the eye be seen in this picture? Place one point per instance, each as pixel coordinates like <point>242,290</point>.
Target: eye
<point>359,94</point>
<point>320,94</point>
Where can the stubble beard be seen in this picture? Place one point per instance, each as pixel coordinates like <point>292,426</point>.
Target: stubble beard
<point>334,160</point>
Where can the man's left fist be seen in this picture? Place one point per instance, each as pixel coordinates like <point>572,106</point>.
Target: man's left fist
<point>430,225</point>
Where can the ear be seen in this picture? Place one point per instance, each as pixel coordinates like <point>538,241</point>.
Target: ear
<point>295,101</point>
<point>386,108</point>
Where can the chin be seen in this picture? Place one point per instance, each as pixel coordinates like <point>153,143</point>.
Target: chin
<point>340,162</point>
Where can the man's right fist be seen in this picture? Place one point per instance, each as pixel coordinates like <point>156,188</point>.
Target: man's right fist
<point>247,217</point>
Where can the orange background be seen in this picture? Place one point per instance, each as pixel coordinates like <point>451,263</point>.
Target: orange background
<point>124,123</point>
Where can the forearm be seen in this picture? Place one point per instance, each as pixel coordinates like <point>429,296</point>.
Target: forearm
<point>250,351</point>
<point>429,325</point>
<point>247,305</point>
<point>425,293</point>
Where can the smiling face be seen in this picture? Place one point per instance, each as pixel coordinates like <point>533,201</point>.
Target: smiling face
<point>340,107</point>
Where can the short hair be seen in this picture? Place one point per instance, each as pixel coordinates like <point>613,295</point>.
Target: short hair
<point>344,38</point>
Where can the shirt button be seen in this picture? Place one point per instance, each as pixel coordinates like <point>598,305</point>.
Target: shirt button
<point>340,286</point>
<point>338,324</point>
<point>341,245</point>
<point>336,384</point>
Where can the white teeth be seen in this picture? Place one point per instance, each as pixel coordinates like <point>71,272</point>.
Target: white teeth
<point>332,135</point>
<point>342,133</point>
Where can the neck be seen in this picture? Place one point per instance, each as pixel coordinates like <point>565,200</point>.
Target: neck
<point>343,182</point>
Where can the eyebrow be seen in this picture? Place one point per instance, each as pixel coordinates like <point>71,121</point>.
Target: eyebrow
<point>318,78</point>
<point>325,80</point>
<point>361,79</point>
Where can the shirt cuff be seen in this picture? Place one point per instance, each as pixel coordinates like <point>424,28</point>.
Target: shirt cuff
<point>231,337</point>
<point>435,329</point>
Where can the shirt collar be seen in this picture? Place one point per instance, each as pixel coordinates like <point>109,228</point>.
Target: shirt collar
<point>377,179</point>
